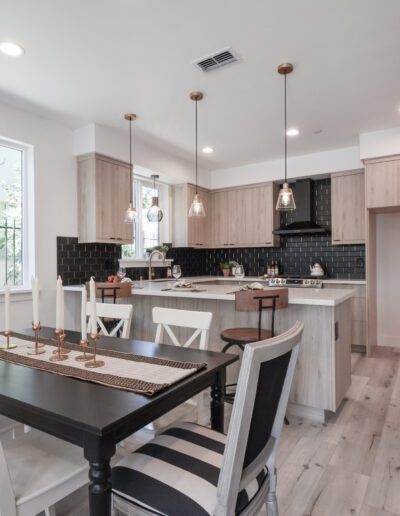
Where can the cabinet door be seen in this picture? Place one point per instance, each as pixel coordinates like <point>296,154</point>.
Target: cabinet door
<point>348,208</point>
<point>112,199</point>
<point>221,218</point>
<point>198,227</point>
<point>123,232</point>
<point>105,201</point>
<point>383,184</point>
<point>269,217</point>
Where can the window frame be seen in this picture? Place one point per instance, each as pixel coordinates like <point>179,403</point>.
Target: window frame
<point>27,215</point>
<point>163,193</point>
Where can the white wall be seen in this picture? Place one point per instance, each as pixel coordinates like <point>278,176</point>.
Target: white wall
<point>298,166</point>
<point>388,278</point>
<point>380,143</point>
<point>55,202</point>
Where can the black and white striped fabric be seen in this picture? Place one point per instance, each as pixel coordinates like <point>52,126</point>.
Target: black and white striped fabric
<point>176,474</point>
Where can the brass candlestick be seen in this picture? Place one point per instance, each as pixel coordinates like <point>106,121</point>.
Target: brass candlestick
<point>94,363</point>
<point>86,356</point>
<point>39,347</point>
<point>59,354</point>
<point>7,335</point>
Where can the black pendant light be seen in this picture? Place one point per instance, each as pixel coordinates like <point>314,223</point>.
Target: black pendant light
<point>154,213</point>
<point>197,207</point>
<point>285,199</point>
<point>131,213</point>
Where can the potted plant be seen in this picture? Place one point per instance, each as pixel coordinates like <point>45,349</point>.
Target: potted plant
<point>226,268</point>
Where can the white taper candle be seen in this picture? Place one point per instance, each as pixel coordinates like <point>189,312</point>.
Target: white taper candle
<point>35,300</point>
<point>62,325</point>
<point>58,303</point>
<point>83,314</point>
<point>93,316</point>
<point>7,321</point>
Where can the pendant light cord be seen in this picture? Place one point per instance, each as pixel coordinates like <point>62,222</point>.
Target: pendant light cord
<point>196,146</point>
<point>285,134</point>
<point>130,162</point>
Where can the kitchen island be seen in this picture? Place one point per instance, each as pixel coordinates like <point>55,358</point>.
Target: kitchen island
<point>323,372</point>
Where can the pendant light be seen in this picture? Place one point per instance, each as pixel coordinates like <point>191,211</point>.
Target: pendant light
<point>131,213</point>
<point>154,213</point>
<point>197,207</point>
<point>285,199</point>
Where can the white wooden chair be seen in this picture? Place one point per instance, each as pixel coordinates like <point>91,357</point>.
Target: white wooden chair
<point>36,471</point>
<point>111,311</point>
<point>200,322</point>
<point>191,469</point>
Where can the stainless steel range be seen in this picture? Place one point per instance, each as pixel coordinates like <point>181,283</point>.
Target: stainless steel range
<point>297,282</point>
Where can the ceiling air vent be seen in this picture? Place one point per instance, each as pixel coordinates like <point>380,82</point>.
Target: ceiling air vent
<point>221,58</point>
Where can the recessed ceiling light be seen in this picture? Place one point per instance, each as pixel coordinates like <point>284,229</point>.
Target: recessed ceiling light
<point>208,150</point>
<point>292,132</point>
<point>11,49</point>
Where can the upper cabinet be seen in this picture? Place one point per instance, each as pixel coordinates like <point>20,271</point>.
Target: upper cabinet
<point>190,231</point>
<point>383,182</point>
<point>245,216</point>
<point>235,217</point>
<point>348,207</point>
<point>103,196</point>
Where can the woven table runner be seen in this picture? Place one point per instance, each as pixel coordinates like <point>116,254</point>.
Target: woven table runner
<point>126,371</point>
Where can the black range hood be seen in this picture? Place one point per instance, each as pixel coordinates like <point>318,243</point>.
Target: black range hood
<point>303,215</point>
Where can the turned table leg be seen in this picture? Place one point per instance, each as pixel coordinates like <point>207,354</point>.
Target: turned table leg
<point>98,454</point>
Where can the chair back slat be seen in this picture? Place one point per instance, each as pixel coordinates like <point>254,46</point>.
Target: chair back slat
<point>262,394</point>
<point>111,311</point>
<point>246,300</point>
<point>167,317</point>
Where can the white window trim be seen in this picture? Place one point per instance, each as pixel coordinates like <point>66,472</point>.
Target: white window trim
<point>165,225</point>
<point>28,212</point>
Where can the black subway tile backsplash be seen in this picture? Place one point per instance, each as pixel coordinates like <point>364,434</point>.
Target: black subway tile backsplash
<point>77,262</point>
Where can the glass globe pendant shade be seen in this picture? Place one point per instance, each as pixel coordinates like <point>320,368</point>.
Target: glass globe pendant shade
<point>154,213</point>
<point>130,215</point>
<point>197,207</point>
<point>285,199</point>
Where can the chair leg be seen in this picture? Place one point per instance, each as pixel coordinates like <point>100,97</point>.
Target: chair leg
<point>231,344</point>
<point>272,502</point>
<point>50,511</point>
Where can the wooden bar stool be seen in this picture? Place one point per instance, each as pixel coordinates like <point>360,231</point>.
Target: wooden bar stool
<point>253,301</point>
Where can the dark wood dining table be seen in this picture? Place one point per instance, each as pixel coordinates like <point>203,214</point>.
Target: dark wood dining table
<point>97,417</point>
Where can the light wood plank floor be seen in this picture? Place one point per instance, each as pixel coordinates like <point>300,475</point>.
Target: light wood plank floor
<point>347,466</point>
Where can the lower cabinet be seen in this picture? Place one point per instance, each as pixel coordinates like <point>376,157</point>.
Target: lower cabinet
<point>358,313</point>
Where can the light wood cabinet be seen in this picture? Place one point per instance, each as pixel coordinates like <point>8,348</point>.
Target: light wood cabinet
<point>190,231</point>
<point>103,197</point>
<point>383,183</point>
<point>348,207</point>
<point>245,217</point>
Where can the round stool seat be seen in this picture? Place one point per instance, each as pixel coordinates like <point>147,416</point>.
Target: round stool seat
<point>244,335</point>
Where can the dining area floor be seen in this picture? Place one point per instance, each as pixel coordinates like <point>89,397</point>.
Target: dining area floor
<point>349,465</point>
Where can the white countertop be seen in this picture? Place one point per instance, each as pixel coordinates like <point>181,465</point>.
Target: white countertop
<point>298,296</point>
<point>226,292</point>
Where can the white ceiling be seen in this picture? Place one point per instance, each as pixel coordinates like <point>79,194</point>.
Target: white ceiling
<point>93,60</point>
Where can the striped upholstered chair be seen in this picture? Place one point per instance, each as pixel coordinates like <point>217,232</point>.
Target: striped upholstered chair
<point>193,470</point>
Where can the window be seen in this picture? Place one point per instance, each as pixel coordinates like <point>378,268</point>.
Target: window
<point>12,169</point>
<point>147,234</point>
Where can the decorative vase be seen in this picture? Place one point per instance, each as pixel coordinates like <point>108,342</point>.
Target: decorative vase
<point>226,272</point>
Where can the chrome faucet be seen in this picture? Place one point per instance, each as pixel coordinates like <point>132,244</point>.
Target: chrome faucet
<point>156,251</point>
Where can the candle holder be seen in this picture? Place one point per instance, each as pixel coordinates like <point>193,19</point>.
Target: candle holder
<point>7,335</point>
<point>86,356</point>
<point>94,363</point>
<point>38,349</point>
<point>58,354</point>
